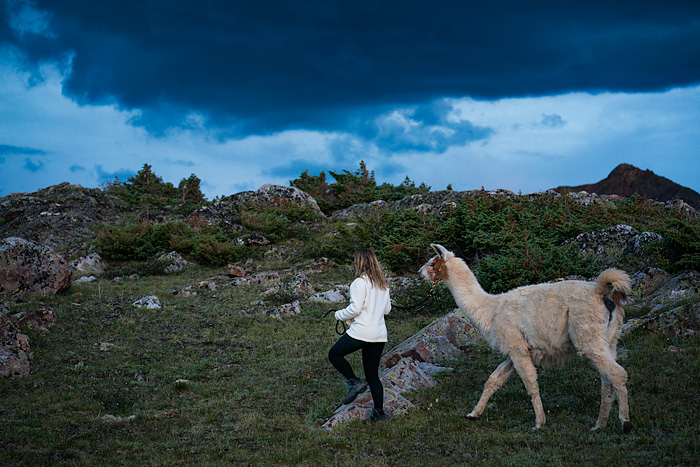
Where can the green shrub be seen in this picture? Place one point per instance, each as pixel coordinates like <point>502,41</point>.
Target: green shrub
<point>268,223</point>
<point>145,240</point>
<point>274,218</point>
<point>208,249</point>
<point>121,243</point>
<point>679,248</point>
<point>352,188</point>
<point>148,189</point>
<point>529,261</point>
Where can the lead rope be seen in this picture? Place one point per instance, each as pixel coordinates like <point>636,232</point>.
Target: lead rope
<point>337,322</point>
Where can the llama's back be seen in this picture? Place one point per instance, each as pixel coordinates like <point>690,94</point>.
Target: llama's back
<point>540,314</point>
<point>552,316</point>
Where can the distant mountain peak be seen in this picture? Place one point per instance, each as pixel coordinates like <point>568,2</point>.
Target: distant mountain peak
<point>627,180</point>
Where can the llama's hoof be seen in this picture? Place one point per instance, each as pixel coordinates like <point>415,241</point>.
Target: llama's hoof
<point>471,416</point>
<point>626,426</point>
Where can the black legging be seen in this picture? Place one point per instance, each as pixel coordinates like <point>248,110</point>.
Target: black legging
<point>371,354</point>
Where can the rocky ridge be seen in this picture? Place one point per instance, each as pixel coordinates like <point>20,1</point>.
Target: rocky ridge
<point>627,180</point>
<point>440,201</point>
<point>226,212</point>
<point>60,217</point>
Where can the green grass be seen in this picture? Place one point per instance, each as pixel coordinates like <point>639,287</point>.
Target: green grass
<point>259,388</point>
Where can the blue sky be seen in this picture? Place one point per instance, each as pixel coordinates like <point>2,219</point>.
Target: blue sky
<point>525,96</point>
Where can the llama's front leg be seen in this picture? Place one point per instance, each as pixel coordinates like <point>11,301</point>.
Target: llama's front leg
<point>613,372</point>
<point>497,379</point>
<point>528,373</point>
<point>607,395</point>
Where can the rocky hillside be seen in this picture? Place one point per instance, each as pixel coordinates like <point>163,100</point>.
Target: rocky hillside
<point>289,256</point>
<point>627,180</point>
<point>62,217</point>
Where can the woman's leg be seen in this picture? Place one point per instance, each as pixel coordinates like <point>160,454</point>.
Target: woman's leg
<point>371,355</point>
<point>337,353</point>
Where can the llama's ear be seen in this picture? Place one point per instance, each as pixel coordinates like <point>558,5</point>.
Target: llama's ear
<point>439,249</point>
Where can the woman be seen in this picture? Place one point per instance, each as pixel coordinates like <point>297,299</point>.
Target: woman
<point>369,302</point>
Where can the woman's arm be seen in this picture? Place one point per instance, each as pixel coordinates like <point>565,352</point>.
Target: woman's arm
<point>358,293</point>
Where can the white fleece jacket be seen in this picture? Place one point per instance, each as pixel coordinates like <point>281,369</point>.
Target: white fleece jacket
<point>366,311</point>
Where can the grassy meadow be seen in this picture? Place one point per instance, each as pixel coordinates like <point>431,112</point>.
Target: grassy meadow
<point>211,380</point>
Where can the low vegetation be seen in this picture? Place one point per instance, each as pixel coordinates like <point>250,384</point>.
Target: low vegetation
<point>211,379</point>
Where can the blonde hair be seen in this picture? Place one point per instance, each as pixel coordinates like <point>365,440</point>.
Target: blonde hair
<point>366,264</point>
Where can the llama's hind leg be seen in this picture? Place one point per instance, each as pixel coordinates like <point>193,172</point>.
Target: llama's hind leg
<point>617,376</point>
<point>497,379</point>
<point>528,373</point>
<point>607,395</point>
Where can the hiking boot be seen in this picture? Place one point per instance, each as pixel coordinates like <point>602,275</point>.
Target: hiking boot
<point>355,387</point>
<point>377,416</point>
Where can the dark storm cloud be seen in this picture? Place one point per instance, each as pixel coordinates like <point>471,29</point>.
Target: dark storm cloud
<point>265,66</point>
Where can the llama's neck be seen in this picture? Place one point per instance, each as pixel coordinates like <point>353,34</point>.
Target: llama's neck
<point>469,295</point>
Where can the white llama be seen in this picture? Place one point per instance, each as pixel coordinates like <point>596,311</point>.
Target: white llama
<point>543,325</point>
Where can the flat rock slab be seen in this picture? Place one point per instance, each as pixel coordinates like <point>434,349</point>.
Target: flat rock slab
<point>410,366</point>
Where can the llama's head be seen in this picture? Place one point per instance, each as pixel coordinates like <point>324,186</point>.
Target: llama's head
<point>435,269</point>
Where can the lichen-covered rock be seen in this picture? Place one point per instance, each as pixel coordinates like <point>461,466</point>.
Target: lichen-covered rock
<point>609,247</point>
<point>337,295</point>
<point>429,203</point>
<point>86,279</point>
<point>29,268</point>
<point>406,375</point>
<point>150,302</point>
<point>88,265</point>
<point>15,352</point>
<point>301,286</point>
<point>648,280</point>
<point>271,192</point>
<point>60,216</point>
<point>257,279</point>
<point>226,212</point>
<point>585,198</point>
<point>673,306</point>
<point>440,340</point>
<point>252,239</point>
<point>411,365</point>
<point>681,321</point>
<point>176,262</point>
<point>235,271</point>
<point>288,309</point>
<point>39,320</point>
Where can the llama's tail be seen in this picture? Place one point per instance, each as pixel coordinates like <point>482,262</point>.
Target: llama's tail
<point>614,286</point>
